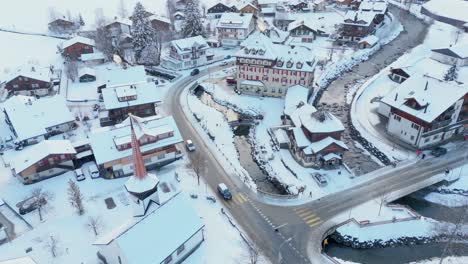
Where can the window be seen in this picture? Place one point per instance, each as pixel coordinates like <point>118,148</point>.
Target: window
<point>180,249</point>
<point>168,260</point>
<point>161,156</point>
<point>280,91</point>
<point>413,125</point>
<point>412,137</point>
<point>397,118</point>
<point>426,140</point>
<point>435,137</point>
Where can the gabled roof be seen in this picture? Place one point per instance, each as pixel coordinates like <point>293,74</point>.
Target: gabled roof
<point>352,17</point>
<point>124,21</point>
<point>321,122</point>
<point>160,18</point>
<point>370,39</point>
<point>77,39</point>
<point>186,44</point>
<point>320,145</point>
<point>123,76</point>
<point>302,22</point>
<point>459,51</point>
<point>23,260</point>
<point>86,71</point>
<point>144,92</point>
<point>46,112</point>
<point>176,219</point>
<point>31,155</point>
<point>235,20</point>
<point>295,96</point>
<point>437,98</point>
<point>373,6</point>
<point>30,71</point>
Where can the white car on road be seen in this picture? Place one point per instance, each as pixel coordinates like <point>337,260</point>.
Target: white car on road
<point>190,146</point>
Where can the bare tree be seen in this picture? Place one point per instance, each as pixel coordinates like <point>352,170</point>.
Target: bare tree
<point>41,200</point>
<point>252,256</point>
<point>94,223</point>
<point>198,164</point>
<point>382,200</point>
<point>52,245</point>
<point>122,9</point>
<point>75,197</point>
<point>71,69</point>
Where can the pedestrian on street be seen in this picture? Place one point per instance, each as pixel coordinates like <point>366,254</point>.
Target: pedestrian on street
<point>310,194</point>
<point>423,156</point>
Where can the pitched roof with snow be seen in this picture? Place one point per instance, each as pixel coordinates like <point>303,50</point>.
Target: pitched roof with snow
<point>77,39</point>
<point>103,141</point>
<point>371,40</point>
<point>31,155</point>
<point>454,9</point>
<point>295,95</point>
<point>353,17</point>
<point>321,122</point>
<point>31,118</point>
<point>124,21</point>
<point>176,219</point>
<point>378,7</point>
<point>23,260</point>
<point>86,71</point>
<point>185,45</point>
<point>32,72</point>
<point>159,18</point>
<point>307,23</point>
<point>316,147</point>
<point>144,93</point>
<point>123,76</point>
<point>235,20</point>
<point>435,96</point>
<point>459,51</point>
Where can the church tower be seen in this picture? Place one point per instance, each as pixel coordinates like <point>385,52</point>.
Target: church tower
<point>142,186</point>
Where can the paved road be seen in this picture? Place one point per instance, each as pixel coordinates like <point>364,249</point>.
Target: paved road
<point>307,223</point>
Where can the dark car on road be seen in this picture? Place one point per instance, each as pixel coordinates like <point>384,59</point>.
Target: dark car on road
<point>195,72</point>
<point>30,205</point>
<point>438,151</point>
<point>224,191</point>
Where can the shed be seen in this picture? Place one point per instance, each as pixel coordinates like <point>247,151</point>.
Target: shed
<point>368,42</point>
<point>87,74</point>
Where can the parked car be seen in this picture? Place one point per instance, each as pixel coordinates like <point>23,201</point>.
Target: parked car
<point>224,191</point>
<point>79,175</point>
<point>231,81</point>
<point>30,205</point>
<point>195,72</point>
<point>227,57</point>
<point>224,63</point>
<point>189,145</point>
<point>438,151</point>
<point>93,171</point>
<point>320,179</point>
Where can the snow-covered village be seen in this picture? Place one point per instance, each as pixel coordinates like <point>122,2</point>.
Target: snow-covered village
<point>233,131</point>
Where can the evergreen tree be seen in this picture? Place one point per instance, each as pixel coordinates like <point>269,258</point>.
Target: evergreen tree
<point>193,25</point>
<point>452,74</point>
<point>75,197</point>
<point>80,20</point>
<point>142,32</point>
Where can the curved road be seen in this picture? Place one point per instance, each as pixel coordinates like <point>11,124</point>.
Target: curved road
<point>304,224</point>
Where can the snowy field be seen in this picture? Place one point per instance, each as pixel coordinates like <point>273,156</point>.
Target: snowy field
<point>222,241</point>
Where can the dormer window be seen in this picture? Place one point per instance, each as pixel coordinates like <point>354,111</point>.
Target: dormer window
<point>299,65</point>
<point>279,63</point>
<point>412,103</point>
<point>254,51</point>
<point>261,52</point>
<point>289,64</point>
<point>246,50</point>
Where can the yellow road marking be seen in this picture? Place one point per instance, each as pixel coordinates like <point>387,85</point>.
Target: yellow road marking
<point>242,197</point>
<point>314,224</point>
<point>307,217</point>
<point>304,213</point>
<point>300,210</point>
<point>312,220</point>
<point>239,199</point>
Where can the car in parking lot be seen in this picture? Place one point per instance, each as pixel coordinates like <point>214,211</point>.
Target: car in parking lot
<point>224,63</point>
<point>194,72</point>
<point>189,145</point>
<point>320,179</point>
<point>93,171</point>
<point>30,205</point>
<point>438,151</point>
<point>79,175</point>
<point>224,191</point>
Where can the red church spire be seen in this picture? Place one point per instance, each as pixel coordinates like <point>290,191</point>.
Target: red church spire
<point>139,169</point>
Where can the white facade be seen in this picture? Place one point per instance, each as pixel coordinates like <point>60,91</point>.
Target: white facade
<point>232,28</point>
<point>187,53</point>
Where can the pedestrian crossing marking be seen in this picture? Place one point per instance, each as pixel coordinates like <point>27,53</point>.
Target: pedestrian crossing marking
<point>239,198</point>
<point>312,220</point>
<point>307,217</point>
<point>316,223</point>
<point>301,215</point>
<point>300,210</point>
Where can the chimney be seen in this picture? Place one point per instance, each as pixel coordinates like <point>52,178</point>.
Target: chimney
<point>427,83</point>
<point>396,96</point>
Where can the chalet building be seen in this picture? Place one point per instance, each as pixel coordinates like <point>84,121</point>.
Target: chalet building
<point>424,111</point>
<point>319,5</point>
<point>368,42</point>
<point>247,8</point>
<point>178,16</point>
<point>118,27</point>
<point>276,35</point>
<point>456,55</point>
<point>50,114</point>
<point>187,53</point>
<point>44,160</point>
<point>75,47</point>
<point>283,19</point>
<point>158,138</point>
<point>356,26</point>
<point>86,74</point>
<point>267,7</point>
<point>304,31</point>
<point>93,59</point>
<point>218,9</point>
<point>378,8</point>
<point>121,76</point>
<point>268,69</point>
<point>161,24</point>
<point>299,5</point>
<point>314,136</point>
<point>232,28</point>
<point>29,80</point>
<point>347,4</point>
<point>138,99</point>
<point>62,25</point>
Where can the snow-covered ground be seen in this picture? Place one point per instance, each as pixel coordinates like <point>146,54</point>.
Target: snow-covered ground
<point>222,241</point>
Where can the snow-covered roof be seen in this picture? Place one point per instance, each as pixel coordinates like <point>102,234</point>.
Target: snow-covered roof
<point>23,260</point>
<point>281,136</point>
<point>137,185</point>
<point>455,9</point>
<point>104,145</point>
<point>185,45</point>
<point>321,122</point>
<point>374,6</point>
<point>31,117</point>
<point>179,13</point>
<point>301,110</point>
<point>123,76</point>
<point>77,39</point>
<point>144,93</point>
<point>92,56</point>
<point>301,140</point>
<point>331,156</point>
<point>159,18</point>
<point>295,95</point>
<point>352,17</point>
<point>318,146</point>
<point>277,35</point>
<point>235,20</point>
<point>459,51</point>
<point>86,71</point>
<point>267,2</point>
<point>168,227</point>
<point>31,155</point>
<point>30,71</point>
<point>302,22</point>
<point>433,95</point>
<point>371,40</point>
<point>268,10</point>
<point>118,20</point>
<point>252,83</point>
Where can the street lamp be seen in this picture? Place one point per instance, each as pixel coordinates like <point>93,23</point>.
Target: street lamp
<point>279,250</point>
